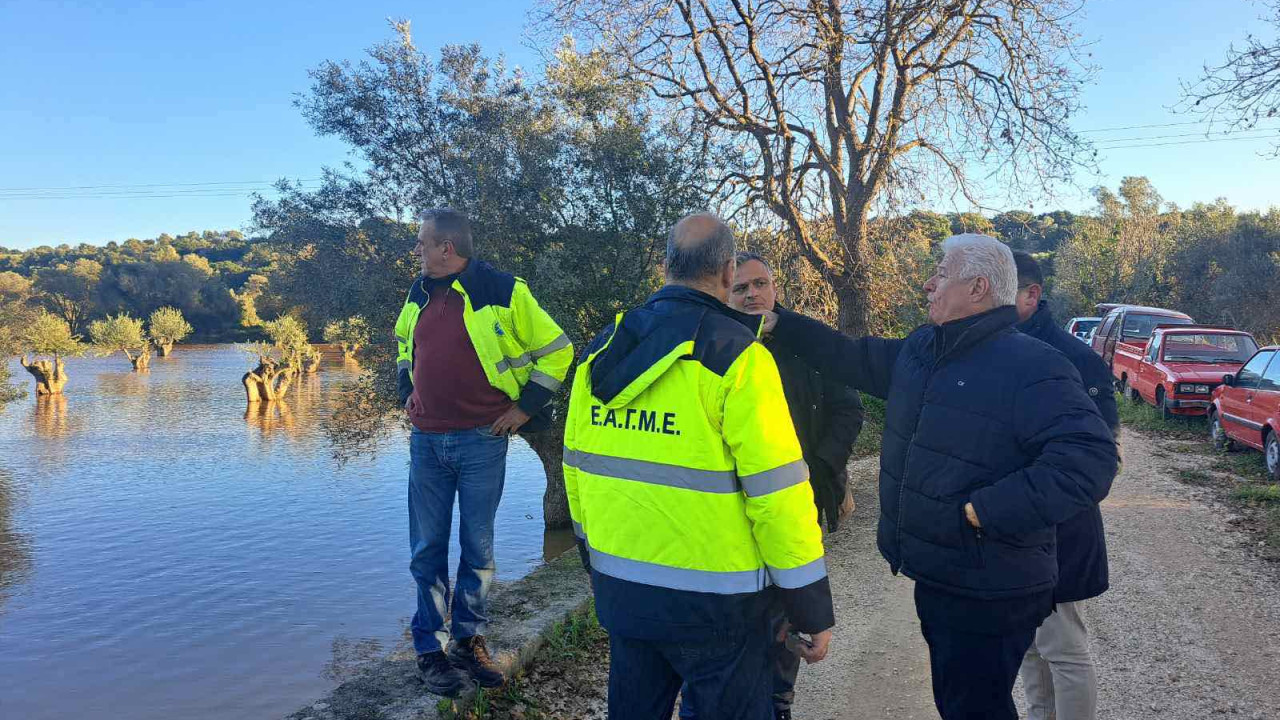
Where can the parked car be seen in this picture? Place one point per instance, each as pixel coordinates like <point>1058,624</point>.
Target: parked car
<point>1180,366</point>
<point>1246,408</point>
<point>1131,324</point>
<point>1082,327</point>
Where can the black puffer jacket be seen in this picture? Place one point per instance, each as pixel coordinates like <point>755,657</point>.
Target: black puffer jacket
<point>828,417</point>
<point>1082,544</point>
<point>975,412</point>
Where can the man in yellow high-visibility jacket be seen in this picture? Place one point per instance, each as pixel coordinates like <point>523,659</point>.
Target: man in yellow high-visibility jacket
<point>690,496</point>
<point>478,360</point>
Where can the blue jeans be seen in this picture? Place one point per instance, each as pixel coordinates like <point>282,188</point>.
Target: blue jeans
<point>473,465</point>
<point>725,678</point>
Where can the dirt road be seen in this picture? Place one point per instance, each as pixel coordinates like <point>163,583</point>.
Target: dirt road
<point>1190,628</point>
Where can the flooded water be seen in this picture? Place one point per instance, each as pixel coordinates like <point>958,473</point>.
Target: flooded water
<point>164,554</point>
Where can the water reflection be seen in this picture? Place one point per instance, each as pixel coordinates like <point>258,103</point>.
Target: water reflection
<point>15,550</point>
<point>268,417</point>
<point>51,417</point>
<point>124,384</point>
<point>556,542</point>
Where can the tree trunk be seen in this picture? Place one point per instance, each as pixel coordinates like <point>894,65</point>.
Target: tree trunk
<point>853,286</point>
<point>269,381</point>
<point>142,362</point>
<point>283,379</point>
<point>164,348</point>
<point>549,445</point>
<point>51,376</point>
<point>313,365</point>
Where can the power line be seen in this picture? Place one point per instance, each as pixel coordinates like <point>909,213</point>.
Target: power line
<point>1187,142</point>
<point>153,185</point>
<point>1267,131</point>
<point>1144,127</point>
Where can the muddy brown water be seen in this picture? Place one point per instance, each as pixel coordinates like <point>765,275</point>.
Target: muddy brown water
<point>164,554</point>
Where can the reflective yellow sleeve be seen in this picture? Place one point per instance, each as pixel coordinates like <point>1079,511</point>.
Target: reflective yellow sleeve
<point>771,469</point>
<point>546,345</point>
<point>404,338</point>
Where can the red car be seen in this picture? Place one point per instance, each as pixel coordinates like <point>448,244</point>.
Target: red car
<point>1179,367</point>
<point>1246,408</point>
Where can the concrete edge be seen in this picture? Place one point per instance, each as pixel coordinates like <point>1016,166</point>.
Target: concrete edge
<point>521,614</point>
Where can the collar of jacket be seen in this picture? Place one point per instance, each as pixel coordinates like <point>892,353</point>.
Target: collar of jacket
<point>680,293</point>
<point>959,335</point>
<point>468,277</point>
<point>1036,324</point>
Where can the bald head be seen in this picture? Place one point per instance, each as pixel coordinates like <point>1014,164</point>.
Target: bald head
<point>699,248</point>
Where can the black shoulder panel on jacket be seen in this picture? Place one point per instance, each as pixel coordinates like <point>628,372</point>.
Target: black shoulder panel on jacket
<point>486,285</point>
<point>719,342</point>
<point>417,292</point>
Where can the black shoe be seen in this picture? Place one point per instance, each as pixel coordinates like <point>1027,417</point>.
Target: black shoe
<point>440,676</point>
<point>781,714</point>
<point>472,655</point>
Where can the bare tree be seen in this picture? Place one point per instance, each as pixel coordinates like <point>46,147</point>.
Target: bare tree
<point>825,110</point>
<point>1245,88</point>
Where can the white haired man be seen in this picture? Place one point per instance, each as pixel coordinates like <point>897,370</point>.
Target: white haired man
<point>990,441</point>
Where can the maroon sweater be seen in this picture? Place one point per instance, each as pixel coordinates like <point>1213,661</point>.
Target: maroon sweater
<point>450,390</point>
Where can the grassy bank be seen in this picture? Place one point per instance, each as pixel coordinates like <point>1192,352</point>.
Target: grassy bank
<point>1238,478</point>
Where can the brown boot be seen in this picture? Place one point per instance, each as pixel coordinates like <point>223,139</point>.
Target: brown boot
<point>472,655</point>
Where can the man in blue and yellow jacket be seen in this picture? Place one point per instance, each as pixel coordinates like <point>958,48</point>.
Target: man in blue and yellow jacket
<point>690,496</point>
<point>478,360</point>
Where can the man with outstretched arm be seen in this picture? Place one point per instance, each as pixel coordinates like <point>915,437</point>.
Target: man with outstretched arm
<point>990,442</point>
<point>690,496</point>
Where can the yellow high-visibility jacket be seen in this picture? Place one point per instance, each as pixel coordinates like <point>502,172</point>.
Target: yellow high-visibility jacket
<point>523,351</point>
<point>685,480</point>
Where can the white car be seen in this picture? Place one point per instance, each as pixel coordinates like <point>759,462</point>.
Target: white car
<point>1082,327</point>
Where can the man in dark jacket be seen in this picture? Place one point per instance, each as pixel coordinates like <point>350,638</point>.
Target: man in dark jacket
<point>990,442</point>
<point>1058,671</point>
<point>828,418</point>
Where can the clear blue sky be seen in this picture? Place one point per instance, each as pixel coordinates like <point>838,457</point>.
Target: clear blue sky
<point>187,92</point>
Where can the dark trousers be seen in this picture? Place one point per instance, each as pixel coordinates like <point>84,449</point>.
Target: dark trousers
<point>726,678</point>
<point>784,666</point>
<point>973,674</point>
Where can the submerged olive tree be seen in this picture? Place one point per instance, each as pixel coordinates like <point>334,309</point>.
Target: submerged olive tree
<point>121,333</point>
<point>279,361</point>
<point>48,340</point>
<point>166,327</point>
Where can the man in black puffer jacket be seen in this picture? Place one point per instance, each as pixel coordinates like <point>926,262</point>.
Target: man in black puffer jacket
<point>1058,672</point>
<point>990,442</point>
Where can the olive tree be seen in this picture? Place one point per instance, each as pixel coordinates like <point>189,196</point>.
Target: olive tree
<point>350,335</point>
<point>121,333</point>
<point>48,341</point>
<point>280,361</point>
<point>569,183</point>
<point>826,112</point>
<point>166,327</point>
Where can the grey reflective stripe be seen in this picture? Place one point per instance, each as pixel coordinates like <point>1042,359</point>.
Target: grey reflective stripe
<point>506,364</point>
<point>779,478</point>
<point>577,530</point>
<point>723,583</point>
<point>545,380</point>
<point>403,365</point>
<point>711,481</point>
<point>799,577</point>
<point>557,344</point>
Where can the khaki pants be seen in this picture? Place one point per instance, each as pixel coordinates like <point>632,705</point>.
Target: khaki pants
<point>1057,671</point>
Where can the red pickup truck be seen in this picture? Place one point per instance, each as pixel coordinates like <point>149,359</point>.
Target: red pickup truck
<point>1179,367</point>
<point>1246,408</point>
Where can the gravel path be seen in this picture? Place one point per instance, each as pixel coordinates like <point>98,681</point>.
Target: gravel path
<point>1190,628</point>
